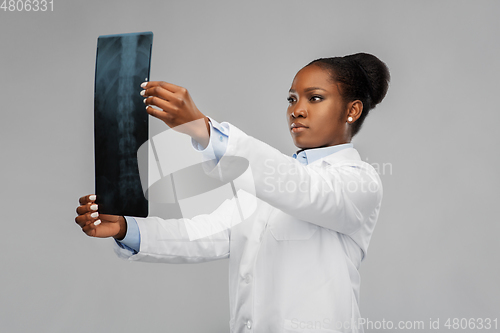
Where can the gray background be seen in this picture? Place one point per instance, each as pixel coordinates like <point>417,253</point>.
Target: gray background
<point>433,253</point>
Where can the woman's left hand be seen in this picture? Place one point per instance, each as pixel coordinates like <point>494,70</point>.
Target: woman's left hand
<point>177,108</point>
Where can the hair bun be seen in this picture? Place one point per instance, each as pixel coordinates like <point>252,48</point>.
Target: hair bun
<point>377,74</point>
<point>361,76</point>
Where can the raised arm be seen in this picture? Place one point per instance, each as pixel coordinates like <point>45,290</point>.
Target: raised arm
<point>340,192</point>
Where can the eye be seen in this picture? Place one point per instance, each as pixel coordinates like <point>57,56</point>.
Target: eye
<point>290,99</point>
<point>316,98</point>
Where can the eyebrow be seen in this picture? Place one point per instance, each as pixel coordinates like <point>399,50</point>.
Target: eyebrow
<point>308,89</point>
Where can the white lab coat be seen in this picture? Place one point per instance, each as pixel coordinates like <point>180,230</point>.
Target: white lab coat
<point>294,261</point>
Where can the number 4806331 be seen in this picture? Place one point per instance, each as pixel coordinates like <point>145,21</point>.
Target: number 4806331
<point>27,5</point>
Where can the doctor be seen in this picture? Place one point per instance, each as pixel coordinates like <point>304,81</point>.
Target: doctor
<point>294,261</point>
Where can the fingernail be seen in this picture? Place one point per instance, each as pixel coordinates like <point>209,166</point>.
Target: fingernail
<point>97,222</point>
<point>144,84</point>
<point>94,215</point>
<point>145,99</point>
<point>92,197</point>
<point>93,207</point>
<point>143,92</point>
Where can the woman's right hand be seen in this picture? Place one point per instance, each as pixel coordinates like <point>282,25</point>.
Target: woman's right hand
<point>99,225</point>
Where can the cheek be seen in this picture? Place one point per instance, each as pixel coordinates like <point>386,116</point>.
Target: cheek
<point>331,120</point>
<point>332,116</point>
<point>338,112</point>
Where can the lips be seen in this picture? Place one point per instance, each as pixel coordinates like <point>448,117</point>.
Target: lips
<point>297,124</point>
<point>297,127</point>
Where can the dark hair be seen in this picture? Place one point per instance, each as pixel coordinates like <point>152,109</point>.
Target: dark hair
<point>362,76</point>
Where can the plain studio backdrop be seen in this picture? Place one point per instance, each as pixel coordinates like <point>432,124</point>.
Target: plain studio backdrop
<point>434,139</point>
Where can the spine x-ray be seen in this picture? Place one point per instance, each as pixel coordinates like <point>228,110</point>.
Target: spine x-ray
<point>120,121</point>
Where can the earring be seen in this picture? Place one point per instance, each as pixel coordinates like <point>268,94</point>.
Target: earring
<point>349,119</point>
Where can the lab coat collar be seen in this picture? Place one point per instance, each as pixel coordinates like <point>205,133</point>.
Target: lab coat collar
<point>312,155</point>
<point>344,155</point>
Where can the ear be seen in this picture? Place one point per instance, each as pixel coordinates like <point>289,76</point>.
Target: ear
<point>354,110</point>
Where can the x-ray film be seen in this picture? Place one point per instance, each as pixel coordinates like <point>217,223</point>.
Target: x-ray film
<point>120,122</point>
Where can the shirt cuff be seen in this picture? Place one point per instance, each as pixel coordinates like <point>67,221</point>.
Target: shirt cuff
<point>132,239</point>
<point>217,144</point>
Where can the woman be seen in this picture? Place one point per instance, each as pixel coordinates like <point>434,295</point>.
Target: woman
<point>294,262</point>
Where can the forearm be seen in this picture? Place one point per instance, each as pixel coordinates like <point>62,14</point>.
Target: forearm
<point>201,134</point>
<point>203,238</point>
<point>168,241</point>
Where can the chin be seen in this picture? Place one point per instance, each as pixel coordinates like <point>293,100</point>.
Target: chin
<point>301,145</point>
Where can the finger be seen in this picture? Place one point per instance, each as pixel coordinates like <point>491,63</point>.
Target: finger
<point>109,217</point>
<point>89,207</point>
<point>90,229</point>
<point>98,229</point>
<point>87,198</point>
<point>81,220</point>
<point>157,94</point>
<point>164,105</point>
<point>85,219</point>
<point>165,85</point>
<point>160,114</point>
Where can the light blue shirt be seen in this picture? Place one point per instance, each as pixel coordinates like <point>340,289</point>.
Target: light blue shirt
<point>219,135</point>
<point>310,155</point>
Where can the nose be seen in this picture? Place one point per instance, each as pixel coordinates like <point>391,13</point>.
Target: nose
<point>298,112</point>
